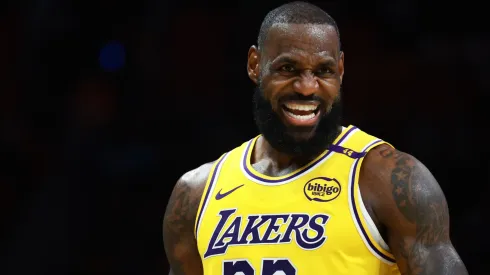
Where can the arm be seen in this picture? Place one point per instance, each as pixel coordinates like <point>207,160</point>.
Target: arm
<point>412,208</point>
<point>178,223</point>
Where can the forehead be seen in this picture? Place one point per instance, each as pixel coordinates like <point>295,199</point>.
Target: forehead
<point>302,39</point>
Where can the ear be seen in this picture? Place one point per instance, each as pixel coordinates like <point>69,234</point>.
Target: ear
<point>341,66</point>
<point>253,64</point>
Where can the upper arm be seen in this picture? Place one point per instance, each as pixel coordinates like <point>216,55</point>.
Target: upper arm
<point>412,207</point>
<point>178,223</point>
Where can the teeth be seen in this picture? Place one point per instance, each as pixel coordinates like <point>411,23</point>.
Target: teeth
<point>301,117</point>
<point>301,107</point>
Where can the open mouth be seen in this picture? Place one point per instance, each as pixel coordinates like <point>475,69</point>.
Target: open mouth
<point>301,113</point>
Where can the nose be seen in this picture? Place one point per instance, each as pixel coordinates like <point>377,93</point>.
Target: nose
<point>306,84</point>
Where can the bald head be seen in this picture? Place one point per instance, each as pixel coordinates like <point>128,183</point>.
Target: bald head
<point>295,13</point>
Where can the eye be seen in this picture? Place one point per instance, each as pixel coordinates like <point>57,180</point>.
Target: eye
<point>324,71</point>
<point>287,68</point>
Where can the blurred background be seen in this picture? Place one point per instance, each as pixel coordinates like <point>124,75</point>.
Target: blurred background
<point>104,104</point>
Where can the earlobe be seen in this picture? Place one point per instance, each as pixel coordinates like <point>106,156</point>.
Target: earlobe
<point>253,64</point>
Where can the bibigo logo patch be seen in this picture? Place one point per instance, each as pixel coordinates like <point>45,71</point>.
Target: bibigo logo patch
<point>322,189</point>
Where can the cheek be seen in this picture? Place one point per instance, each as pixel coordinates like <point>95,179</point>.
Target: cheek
<point>331,88</point>
<point>280,87</point>
<point>272,92</point>
<point>276,95</point>
<point>274,100</point>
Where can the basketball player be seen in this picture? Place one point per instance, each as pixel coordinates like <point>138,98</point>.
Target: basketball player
<point>307,196</point>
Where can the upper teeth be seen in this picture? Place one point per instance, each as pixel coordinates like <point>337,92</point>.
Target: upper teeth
<point>301,107</point>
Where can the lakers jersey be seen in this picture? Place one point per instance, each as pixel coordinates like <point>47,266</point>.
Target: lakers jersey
<point>312,221</point>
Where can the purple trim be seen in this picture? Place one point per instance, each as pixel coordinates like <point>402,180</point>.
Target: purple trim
<point>302,171</point>
<point>346,151</point>
<point>208,192</point>
<point>356,214</point>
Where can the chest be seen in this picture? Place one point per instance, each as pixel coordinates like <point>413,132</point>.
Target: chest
<point>301,215</point>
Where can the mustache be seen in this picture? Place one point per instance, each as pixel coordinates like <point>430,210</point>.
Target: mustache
<point>301,97</point>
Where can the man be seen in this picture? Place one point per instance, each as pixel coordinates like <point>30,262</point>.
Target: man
<point>307,196</point>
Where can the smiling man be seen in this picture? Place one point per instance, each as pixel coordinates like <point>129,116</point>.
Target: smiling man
<point>307,196</point>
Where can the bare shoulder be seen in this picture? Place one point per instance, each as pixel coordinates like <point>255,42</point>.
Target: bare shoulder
<point>383,158</point>
<point>178,222</point>
<point>384,163</point>
<point>183,204</point>
<point>408,201</point>
<point>397,181</point>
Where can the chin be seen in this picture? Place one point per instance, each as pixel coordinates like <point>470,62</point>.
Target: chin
<point>302,136</point>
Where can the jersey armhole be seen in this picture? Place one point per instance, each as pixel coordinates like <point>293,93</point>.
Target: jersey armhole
<point>364,223</point>
<point>208,190</point>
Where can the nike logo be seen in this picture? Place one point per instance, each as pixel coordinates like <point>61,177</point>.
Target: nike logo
<point>220,195</point>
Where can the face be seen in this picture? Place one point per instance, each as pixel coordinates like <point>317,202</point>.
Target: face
<point>298,73</point>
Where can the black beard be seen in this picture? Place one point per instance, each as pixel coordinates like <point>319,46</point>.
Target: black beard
<point>285,139</point>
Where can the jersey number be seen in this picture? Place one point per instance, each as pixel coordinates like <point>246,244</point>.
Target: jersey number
<point>269,267</point>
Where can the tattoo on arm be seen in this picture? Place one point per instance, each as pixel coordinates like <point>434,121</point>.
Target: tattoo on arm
<point>178,228</point>
<point>422,203</point>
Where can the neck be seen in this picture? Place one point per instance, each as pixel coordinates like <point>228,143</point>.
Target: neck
<point>272,162</point>
<point>269,161</point>
<point>264,150</point>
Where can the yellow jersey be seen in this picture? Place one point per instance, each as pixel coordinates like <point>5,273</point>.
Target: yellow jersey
<point>311,221</point>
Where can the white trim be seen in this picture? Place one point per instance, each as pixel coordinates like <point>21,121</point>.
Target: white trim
<point>371,226</point>
<point>351,206</point>
<point>211,185</point>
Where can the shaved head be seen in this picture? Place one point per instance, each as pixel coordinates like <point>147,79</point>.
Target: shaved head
<point>295,13</point>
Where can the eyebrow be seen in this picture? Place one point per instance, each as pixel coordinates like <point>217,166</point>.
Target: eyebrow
<point>285,59</point>
<point>329,61</point>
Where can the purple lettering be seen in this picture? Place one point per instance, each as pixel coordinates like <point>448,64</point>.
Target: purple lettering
<point>252,228</point>
<point>225,215</point>
<point>308,231</point>
<point>273,228</point>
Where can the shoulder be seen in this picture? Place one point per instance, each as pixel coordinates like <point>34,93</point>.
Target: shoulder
<point>385,158</point>
<point>188,190</point>
<point>410,205</point>
<point>195,179</point>
<point>380,163</point>
<point>394,182</point>
<point>178,222</point>
<point>184,201</point>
